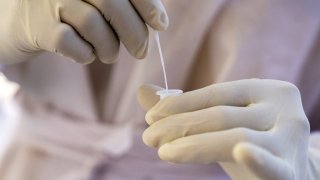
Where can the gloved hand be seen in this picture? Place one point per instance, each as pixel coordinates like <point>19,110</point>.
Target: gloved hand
<point>255,129</point>
<point>80,29</point>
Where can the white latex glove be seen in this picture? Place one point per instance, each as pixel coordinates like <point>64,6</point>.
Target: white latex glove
<point>255,129</point>
<point>80,29</point>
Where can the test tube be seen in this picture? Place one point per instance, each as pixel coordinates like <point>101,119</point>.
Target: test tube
<point>169,92</point>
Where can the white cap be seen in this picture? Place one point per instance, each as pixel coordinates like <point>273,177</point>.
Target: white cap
<point>169,92</point>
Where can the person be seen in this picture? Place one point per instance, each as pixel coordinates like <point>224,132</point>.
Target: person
<point>82,122</point>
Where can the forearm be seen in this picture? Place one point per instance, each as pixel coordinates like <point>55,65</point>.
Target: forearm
<point>314,156</point>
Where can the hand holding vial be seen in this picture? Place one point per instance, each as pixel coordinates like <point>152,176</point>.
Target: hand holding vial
<point>255,129</point>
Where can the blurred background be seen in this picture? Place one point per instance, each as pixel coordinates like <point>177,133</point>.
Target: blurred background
<point>7,126</point>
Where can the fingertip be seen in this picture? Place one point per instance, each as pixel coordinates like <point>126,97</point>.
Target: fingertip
<point>147,97</point>
<point>88,60</point>
<point>175,153</point>
<point>66,42</point>
<point>166,154</point>
<point>163,22</point>
<point>242,152</point>
<point>153,13</point>
<point>110,59</point>
<point>149,118</point>
<point>83,57</point>
<point>142,50</point>
<point>153,116</point>
<point>109,51</point>
<point>159,21</point>
<point>146,138</point>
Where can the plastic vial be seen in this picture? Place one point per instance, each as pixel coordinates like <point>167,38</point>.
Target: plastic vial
<point>169,92</point>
